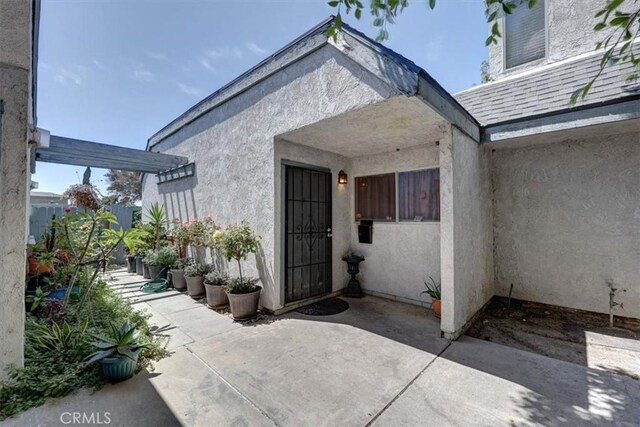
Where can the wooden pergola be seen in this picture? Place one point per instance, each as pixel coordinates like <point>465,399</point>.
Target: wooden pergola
<point>77,152</point>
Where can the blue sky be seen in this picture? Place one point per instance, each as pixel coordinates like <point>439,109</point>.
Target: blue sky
<point>117,71</point>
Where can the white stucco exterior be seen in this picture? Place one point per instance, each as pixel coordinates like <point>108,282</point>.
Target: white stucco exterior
<point>569,28</point>
<point>567,219</point>
<point>15,94</point>
<point>466,231</point>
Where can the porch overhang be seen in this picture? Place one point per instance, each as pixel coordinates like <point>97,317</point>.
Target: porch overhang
<point>77,152</point>
<point>388,126</point>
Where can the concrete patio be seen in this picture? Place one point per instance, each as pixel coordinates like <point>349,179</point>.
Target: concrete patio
<point>379,363</point>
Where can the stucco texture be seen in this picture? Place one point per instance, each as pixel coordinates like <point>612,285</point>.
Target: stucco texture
<point>403,254</point>
<point>567,219</point>
<point>233,146</point>
<point>569,32</point>
<point>466,227</point>
<point>15,55</point>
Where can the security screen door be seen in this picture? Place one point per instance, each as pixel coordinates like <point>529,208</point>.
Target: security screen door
<point>307,233</point>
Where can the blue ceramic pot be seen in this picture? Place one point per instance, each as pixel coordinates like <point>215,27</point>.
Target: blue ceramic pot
<point>118,368</point>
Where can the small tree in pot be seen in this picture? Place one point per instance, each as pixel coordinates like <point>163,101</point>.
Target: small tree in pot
<point>215,284</point>
<point>194,276</point>
<point>237,242</point>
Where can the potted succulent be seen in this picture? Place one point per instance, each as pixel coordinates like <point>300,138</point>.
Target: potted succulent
<point>433,290</point>
<point>177,276</point>
<point>161,261</point>
<point>237,242</point>
<point>214,284</point>
<point>353,261</point>
<point>194,276</point>
<point>118,353</point>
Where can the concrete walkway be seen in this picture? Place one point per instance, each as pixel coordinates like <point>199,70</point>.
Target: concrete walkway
<point>379,363</point>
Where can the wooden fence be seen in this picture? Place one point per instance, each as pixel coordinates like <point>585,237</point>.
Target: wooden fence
<point>42,214</point>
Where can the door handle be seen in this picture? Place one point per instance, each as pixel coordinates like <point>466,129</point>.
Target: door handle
<point>329,234</point>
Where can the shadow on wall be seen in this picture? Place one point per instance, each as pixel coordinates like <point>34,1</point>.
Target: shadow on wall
<point>178,198</point>
<point>265,274</point>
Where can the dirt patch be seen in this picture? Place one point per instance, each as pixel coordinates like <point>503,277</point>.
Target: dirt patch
<point>556,332</point>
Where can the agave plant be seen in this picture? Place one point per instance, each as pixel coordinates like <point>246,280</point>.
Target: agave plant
<point>122,342</point>
<point>157,218</point>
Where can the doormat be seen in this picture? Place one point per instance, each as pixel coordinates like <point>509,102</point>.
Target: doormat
<point>326,307</point>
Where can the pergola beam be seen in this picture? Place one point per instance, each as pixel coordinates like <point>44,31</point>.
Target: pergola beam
<point>71,151</point>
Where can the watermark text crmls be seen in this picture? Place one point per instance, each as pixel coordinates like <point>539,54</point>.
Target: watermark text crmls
<point>95,418</point>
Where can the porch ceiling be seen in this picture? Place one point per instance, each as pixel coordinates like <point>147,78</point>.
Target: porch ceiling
<point>396,123</point>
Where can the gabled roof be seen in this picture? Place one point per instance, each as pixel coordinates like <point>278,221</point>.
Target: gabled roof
<point>548,89</point>
<point>400,73</point>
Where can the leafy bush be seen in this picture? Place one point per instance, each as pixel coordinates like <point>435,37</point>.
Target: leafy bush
<point>196,270</point>
<point>242,286</point>
<point>236,242</point>
<point>216,278</point>
<point>163,257</point>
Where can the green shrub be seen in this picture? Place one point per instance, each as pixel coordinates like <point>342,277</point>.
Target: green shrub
<point>242,286</point>
<point>197,270</point>
<point>216,278</point>
<point>54,352</point>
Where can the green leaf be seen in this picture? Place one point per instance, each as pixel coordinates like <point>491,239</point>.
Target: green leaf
<point>358,13</point>
<point>334,3</point>
<point>432,4</point>
<point>600,26</point>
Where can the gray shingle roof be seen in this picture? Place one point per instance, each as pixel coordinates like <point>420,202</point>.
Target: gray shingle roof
<point>545,91</point>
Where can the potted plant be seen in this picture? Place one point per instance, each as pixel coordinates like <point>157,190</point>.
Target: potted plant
<point>237,242</point>
<point>133,241</point>
<point>353,261</point>
<point>117,353</point>
<point>194,276</point>
<point>433,290</point>
<point>46,261</point>
<point>161,261</point>
<point>244,297</point>
<point>214,284</point>
<point>177,276</point>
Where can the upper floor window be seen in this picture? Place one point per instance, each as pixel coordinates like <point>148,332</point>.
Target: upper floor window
<point>524,34</point>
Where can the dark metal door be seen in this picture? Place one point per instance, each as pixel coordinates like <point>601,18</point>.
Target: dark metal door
<point>307,233</point>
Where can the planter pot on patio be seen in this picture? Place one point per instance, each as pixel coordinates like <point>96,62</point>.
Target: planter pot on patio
<point>131,263</point>
<point>118,368</point>
<point>145,270</point>
<point>158,272</point>
<point>195,286</point>
<point>177,278</point>
<point>353,268</point>
<point>139,267</point>
<point>216,296</point>
<point>244,306</point>
<point>436,306</point>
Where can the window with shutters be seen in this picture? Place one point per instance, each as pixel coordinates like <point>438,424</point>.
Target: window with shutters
<point>525,37</point>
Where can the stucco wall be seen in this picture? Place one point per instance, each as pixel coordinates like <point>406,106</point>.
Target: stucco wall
<point>466,227</point>
<point>15,84</point>
<point>233,147</point>
<point>567,218</point>
<point>402,254</point>
<point>570,32</point>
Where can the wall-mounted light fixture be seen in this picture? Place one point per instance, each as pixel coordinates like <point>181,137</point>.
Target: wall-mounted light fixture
<point>342,177</point>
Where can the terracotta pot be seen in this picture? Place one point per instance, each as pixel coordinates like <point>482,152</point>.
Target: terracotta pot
<point>42,269</point>
<point>195,286</point>
<point>244,306</point>
<point>33,265</point>
<point>178,280</point>
<point>216,296</point>
<point>436,306</point>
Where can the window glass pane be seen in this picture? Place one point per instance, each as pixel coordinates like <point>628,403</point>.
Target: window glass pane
<point>524,36</point>
<point>376,197</point>
<point>419,195</point>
